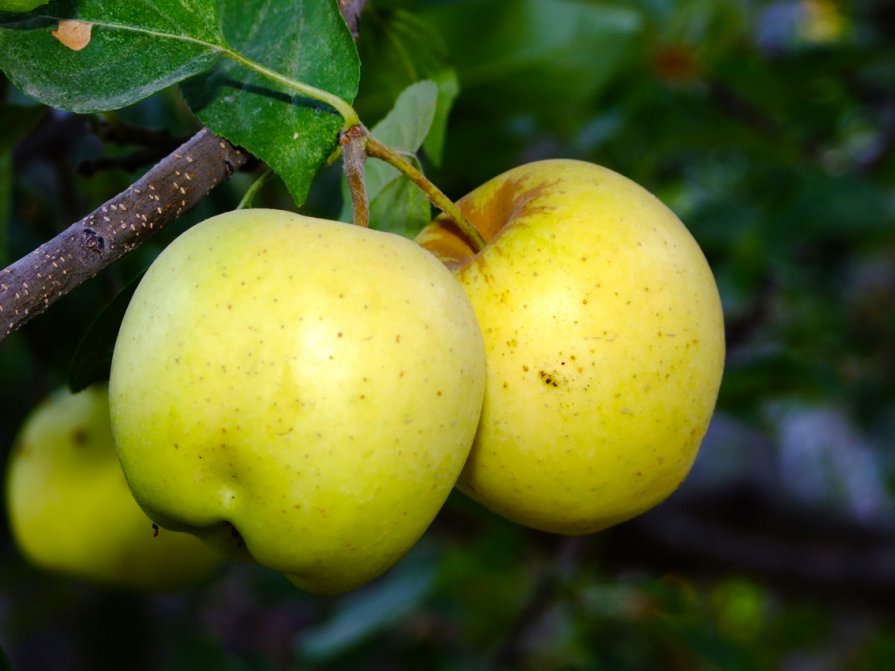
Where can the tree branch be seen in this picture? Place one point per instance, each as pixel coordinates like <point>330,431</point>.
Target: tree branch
<point>33,283</point>
<point>176,184</point>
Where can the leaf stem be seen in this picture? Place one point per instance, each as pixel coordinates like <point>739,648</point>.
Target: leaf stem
<point>343,108</point>
<point>383,152</point>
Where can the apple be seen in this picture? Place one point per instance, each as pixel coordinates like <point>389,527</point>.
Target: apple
<point>70,509</point>
<point>297,391</point>
<point>604,343</point>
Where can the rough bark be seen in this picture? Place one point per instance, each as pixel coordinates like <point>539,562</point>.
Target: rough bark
<point>173,186</point>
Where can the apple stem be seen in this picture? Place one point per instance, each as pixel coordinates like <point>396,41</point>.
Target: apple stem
<point>357,143</point>
<point>383,152</point>
<point>354,153</point>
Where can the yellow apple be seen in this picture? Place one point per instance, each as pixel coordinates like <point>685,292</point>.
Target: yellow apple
<point>604,344</point>
<point>297,391</point>
<point>70,508</point>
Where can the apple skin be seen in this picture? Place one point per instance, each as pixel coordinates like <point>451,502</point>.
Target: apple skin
<point>297,391</point>
<point>604,342</point>
<point>70,509</point>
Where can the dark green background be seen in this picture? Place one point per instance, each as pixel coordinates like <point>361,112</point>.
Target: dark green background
<point>769,127</point>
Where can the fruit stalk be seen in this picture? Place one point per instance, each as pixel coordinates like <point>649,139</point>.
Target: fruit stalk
<point>354,154</point>
<point>383,152</point>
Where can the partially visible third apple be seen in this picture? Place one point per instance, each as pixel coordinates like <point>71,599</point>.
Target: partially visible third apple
<point>604,344</point>
<point>71,512</point>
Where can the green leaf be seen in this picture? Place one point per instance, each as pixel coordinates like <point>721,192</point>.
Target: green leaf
<point>407,124</point>
<point>306,40</point>
<point>396,205</point>
<point>20,5</point>
<point>539,54</point>
<point>92,359</point>
<point>401,208</point>
<point>134,50</point>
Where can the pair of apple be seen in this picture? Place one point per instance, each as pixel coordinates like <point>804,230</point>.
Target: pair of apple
<point>306,393</point>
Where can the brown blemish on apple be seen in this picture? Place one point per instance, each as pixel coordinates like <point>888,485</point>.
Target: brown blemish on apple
<point>514,200</point>
<point>549,379</point>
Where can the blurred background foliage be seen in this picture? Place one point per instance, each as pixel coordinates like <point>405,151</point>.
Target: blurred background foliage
<point>769,127</point>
